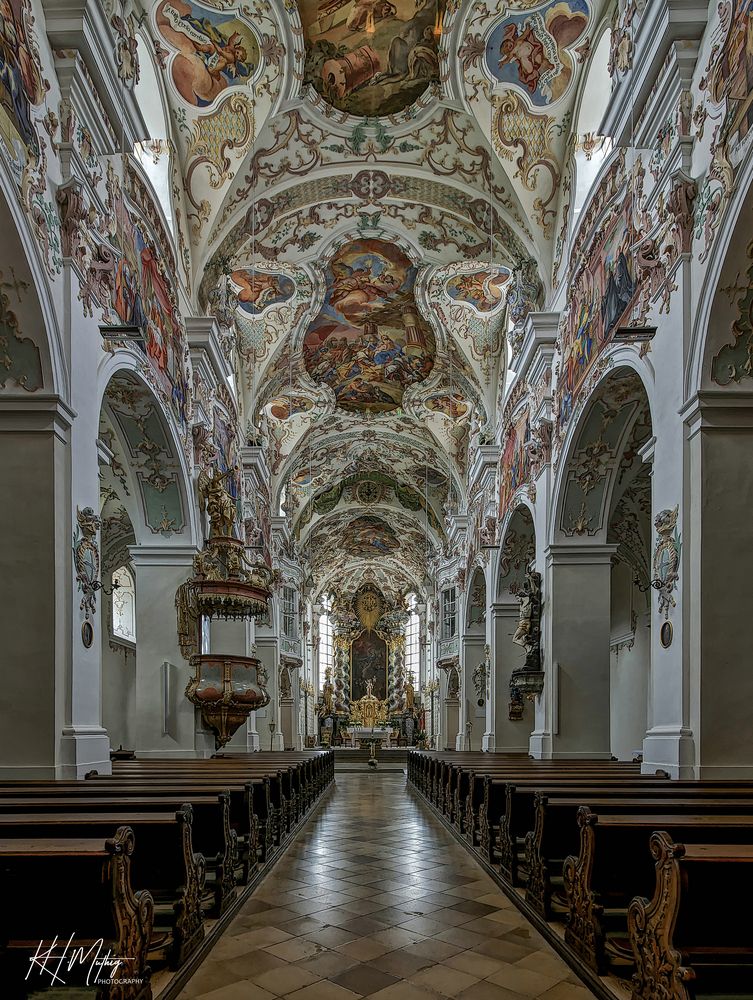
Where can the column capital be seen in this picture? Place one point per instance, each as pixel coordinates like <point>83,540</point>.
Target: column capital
<point>162,555</point>
<point>579,555</point>
<point>716,409</point>
<point>40,414</point>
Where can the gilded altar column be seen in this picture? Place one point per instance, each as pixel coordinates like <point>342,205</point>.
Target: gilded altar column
<point>342,669</point>
<point>396,647</point>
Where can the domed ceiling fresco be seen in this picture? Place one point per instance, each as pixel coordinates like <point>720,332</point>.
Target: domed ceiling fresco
<point>370,57</point>
<point>369,342</point>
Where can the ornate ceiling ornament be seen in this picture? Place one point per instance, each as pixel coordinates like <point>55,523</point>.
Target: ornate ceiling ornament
<point>369,606</point>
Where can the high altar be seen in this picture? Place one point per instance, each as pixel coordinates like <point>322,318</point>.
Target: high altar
<point>368,719</point>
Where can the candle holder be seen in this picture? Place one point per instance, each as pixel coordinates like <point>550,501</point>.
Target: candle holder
<point>272,728</point>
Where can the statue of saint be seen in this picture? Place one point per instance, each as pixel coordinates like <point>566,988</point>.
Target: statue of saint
<point>410,695</point>
<point>369,688</point>
<point>328,695</point>
<point>528,632</point>
<point>220,505</point>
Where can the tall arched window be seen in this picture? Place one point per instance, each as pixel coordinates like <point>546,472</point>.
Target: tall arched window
<point>123,605</point>
<point>412,647</point>
<point>326,648</point>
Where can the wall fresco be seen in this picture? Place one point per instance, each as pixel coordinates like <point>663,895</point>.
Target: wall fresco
<point>514,466</point>
<point>602,294</point>
<point>21,84</point>
<point>369,341</point>
<point>143,295</point>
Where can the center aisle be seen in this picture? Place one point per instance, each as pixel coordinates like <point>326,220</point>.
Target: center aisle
<point>374,898</point>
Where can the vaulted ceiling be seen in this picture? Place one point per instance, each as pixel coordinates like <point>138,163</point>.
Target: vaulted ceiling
<point>363,184</point>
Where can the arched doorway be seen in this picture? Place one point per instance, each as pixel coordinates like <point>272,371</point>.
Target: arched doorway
<point>595,614</point>
<point>147,544</point>
<point>513,715</point>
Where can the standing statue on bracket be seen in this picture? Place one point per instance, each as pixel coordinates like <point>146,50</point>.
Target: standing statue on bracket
<point>328,695</point>
<point>528,632</point>
<point>410,694</point>
<point>220,505</point>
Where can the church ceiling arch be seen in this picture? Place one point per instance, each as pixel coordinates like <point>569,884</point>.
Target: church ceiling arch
<point>411,456</point>
<point>351,538</point>
<point>143,473</point>
<point>450,147</point>
<point>374,492</point>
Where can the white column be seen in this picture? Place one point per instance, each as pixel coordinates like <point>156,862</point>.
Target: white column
<point>575,640</point>
<point>49,701</point>
<point>165,720</point>
<point>511,737</point>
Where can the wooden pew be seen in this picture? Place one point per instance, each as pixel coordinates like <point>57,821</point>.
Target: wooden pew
<point>692,939</point>
<point>253,814</point>
<point>165,864</point>
<point>555,833</point>
<point>211,832</point>
<point>85,891</point>
<point>613,865</point>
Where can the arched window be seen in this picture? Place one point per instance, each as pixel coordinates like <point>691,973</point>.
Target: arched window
<point>124,605</point>
<point>412,647</point>
<point>592,148</point>
<point>326,648</point>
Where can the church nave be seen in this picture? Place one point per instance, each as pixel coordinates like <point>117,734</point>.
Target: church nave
<point>375,898</point>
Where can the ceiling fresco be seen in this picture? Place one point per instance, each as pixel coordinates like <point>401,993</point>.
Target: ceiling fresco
<point>370,57</point>
<point>214,51</point>
<point>531,50</point>
<point>257,290</point>
<point>369,342</point>
<point>365,195</point>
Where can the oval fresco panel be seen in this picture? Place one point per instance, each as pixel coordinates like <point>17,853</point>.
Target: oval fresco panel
<point>530,50</point>
<point>370,57</point>
<point>215,50</point>
<point>453,406</point>
<point>369,342</point>
<point>483,290</point>
<point>285,407</point>
<point>369,536</point>
<point>257,290</point>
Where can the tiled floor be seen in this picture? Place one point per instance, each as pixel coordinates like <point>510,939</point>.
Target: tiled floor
<point>374,898</point>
